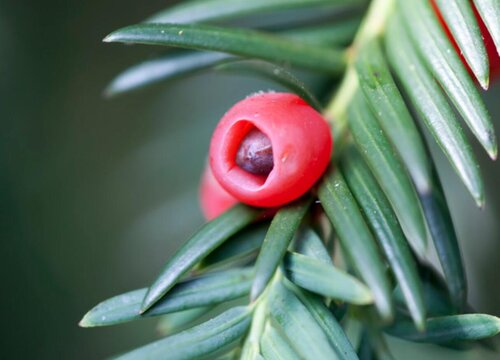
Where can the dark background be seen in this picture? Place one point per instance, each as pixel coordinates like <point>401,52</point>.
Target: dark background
<point>95,194</point>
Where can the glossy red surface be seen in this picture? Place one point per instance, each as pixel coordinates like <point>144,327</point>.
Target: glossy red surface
<point>214,200</point>
<point>301,144</point>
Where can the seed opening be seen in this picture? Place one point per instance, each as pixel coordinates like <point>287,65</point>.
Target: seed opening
<point>255,154</point>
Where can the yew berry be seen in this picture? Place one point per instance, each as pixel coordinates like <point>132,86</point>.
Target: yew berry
<point>214,200</point>
<point>270,149</point>
<point>493,55</point>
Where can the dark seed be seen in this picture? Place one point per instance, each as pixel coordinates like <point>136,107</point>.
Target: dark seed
<point>255,154</point>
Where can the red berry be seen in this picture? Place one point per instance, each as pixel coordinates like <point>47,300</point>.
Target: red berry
<point>493,56</point>
<point>214,200</point>
<point>264,176</point>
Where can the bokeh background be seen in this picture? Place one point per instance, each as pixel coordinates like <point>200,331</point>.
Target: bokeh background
<point>96,194</point>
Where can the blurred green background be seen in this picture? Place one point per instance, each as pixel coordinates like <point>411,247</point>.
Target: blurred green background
<point>95,194</point>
